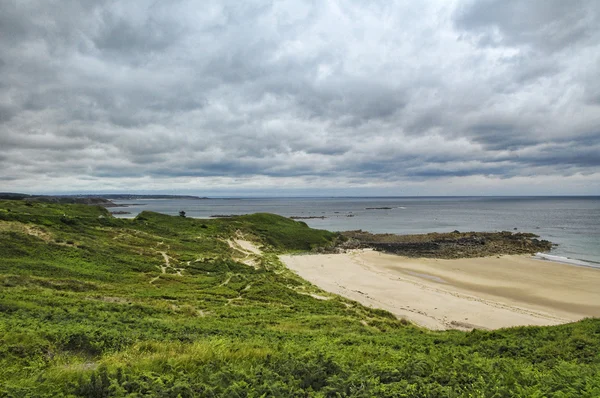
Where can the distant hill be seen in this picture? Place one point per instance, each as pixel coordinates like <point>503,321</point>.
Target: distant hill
<point>100,200</point>
<point>135,197</point>
<point>86,200</point>
<point>13,196</point>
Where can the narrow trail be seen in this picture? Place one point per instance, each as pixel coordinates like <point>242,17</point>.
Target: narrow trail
<point>226,281</point>
<point>244,251</point>
<point>163,268</point>
<point>238,298</point>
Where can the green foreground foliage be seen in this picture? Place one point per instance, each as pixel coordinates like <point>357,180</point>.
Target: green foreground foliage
<point>95,306</point>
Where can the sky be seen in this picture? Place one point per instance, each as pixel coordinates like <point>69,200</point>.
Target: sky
<point>323,97</point>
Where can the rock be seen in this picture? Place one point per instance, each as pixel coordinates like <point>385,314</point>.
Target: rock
<point>449,245</point>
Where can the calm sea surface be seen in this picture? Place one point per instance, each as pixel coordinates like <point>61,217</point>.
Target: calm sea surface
<point>571,222</point>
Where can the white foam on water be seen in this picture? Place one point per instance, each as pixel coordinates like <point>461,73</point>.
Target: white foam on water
<point>565,260</point>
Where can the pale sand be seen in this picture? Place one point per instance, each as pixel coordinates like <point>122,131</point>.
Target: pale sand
<point>248,246</point>
<point>483,293</point>
<point>251,253</point>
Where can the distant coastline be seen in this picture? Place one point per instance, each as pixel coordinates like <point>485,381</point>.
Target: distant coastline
<point>571,222</point>
<point>93,199</point>
<point>122,196</point>
<point>135,197</point>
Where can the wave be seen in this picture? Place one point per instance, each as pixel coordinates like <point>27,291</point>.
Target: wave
<point>566,260</point>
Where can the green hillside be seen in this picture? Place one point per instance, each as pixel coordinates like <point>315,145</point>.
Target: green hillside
<point>96,306</point>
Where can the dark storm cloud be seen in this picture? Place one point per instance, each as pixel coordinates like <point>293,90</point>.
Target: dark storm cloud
<point>94,93</point>
<point>497,137</point>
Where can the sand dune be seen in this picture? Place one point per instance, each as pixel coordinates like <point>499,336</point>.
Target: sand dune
<point>484,293</point>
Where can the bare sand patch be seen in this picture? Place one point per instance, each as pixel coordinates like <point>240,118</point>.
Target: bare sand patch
<point>248,246</point>
<point>484,293</point>
<point>250,253</point>
<point>27,229</point>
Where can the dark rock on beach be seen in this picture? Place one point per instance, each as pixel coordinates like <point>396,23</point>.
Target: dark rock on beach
<point>447,245</point>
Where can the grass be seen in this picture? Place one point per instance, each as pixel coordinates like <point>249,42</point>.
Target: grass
<point>85,310</point>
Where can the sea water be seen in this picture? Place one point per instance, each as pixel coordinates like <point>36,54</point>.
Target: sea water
<point>573,223</point>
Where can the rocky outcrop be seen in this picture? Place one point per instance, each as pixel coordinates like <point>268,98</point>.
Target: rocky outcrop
<point>448,245</point>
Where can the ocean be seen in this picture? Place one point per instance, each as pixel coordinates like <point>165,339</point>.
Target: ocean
<point>573,223</point>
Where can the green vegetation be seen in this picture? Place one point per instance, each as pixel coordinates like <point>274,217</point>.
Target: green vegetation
<point>92,305</point>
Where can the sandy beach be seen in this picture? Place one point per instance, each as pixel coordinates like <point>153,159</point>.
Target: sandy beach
<point>482,293</point>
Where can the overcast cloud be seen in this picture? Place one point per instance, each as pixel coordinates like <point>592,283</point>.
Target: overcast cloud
<point>300,97</point>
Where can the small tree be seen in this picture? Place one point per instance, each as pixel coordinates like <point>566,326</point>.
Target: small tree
<point>182,213</point>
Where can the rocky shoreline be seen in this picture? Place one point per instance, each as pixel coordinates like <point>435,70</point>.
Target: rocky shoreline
<point>446,245</point>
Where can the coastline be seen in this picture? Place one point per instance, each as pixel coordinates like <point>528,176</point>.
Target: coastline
<point>483,293</point>
<point>567,222</point>
<point>566,260</point>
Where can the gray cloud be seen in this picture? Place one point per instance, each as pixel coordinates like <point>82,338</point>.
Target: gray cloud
<point>542,25</point>
<point>221,95</point>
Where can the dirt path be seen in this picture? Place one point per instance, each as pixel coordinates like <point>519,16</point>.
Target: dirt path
<point>244,250</point>
<point>163,268</point>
